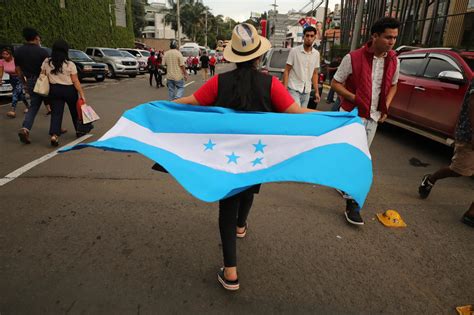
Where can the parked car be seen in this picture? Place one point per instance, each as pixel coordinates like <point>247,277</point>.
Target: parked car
<point>6,88</point>
<point>86,67</point>
<point>431,88</point>
<point>140,55</point>
<point>274,62</point>
<point>116,63</point>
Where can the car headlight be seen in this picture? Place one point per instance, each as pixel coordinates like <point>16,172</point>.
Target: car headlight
<point>87,68</point>
<point>119,65</point>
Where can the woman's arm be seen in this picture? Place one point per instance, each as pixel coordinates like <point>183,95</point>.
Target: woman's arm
<point>77,85</point>
<point>1,74</point>
<point>296,109</point>
<point>191,100</point>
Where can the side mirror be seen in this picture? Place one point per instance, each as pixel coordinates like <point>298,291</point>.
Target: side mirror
<point>99,54</point>
<point>454,77</point>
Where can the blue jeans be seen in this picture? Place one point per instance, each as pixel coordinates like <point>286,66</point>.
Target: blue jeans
<point>330,97</point>
<point>175,89</point>
<point>301,99</point>
<point>17,94</point>
<point>35,104</point>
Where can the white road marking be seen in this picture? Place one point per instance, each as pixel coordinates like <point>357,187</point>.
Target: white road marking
<point>187,84</point>
<point>15,174</point>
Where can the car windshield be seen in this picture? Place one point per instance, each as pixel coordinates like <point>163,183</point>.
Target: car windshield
<point>77,55</point>
<point>145,53</point>
<point>112,52</point>
<point>126,54</point>
<point>278,58</point>
<point>469,59</point>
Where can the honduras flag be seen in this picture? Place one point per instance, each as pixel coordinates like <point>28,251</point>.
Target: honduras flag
<point>216,152</point>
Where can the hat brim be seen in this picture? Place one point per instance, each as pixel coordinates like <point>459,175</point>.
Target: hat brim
<point>230,56</point>
<point>386,221</point>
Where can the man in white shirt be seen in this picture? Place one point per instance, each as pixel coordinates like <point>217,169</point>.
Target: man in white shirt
<point>301,69</point>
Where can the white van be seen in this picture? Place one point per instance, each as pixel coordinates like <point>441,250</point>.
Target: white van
<point>189,49</point>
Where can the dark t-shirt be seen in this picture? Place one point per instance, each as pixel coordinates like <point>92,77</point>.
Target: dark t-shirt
<point>204,61</point>
<point>29,58</point>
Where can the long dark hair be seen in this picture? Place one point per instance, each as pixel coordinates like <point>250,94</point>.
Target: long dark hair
<point>246,80</point>
<point>59,55</point>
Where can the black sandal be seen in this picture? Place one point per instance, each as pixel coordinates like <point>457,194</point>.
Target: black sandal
<point>227,284</point>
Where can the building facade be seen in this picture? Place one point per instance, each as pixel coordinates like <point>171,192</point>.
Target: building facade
<point>155,26</point>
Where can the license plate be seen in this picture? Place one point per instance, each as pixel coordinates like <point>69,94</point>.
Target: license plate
<point>100,76</point>
<point>142,69</point>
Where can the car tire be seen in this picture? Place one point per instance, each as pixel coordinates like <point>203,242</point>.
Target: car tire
<point>132,75</point>
<point>99,79</point>
<point>111,73</point>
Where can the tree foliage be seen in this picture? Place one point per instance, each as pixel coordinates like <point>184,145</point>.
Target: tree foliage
<point>193,22</point>
<point>138,16</point>
<point>81,23</point>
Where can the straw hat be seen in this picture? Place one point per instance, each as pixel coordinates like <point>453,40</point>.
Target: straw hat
<point>245,44</point>
<point>391,218</point>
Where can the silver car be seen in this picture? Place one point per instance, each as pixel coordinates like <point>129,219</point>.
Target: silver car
<point>117,64</point>
<point>6,88</point>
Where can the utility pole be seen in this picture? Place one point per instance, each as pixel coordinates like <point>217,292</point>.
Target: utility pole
<point>357,26</point>
<point>179,23</point>
<point>274,5</point>
<point>323,41</point>
<point>205,37</point>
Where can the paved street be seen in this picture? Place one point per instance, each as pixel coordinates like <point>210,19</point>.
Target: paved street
<point>95,232</point>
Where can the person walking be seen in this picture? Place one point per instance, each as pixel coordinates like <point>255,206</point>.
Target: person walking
<point>204,65</point>
<point>301,70</point>
<point>64,87</point>
<point>152,68</point>
<point>212,65</point>
<point>7,65</point>
<point>462,162</point>
<point>28,60</point>
<point>175,71</point>
<point>242,89</point>
<point>195,63</point>
<point>332,68</point>
<point>367,80</point>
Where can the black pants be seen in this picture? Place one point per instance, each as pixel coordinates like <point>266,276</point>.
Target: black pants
<point>212,70</point>
<point>233,212</point>
<point>58,95</point>
<point>153,74</point>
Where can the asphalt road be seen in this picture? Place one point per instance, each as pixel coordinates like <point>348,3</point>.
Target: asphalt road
<point>94,232</point>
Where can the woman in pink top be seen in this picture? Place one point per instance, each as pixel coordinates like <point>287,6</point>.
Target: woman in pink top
<point>7,64</point>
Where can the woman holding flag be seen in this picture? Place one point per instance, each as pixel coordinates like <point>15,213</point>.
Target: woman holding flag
<point>242,89</point>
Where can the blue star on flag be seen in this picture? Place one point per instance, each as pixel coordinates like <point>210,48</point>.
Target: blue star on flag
<point>209,146</point>
<point>259,146</point>
<point>257,161</point>
<point>232,158</point>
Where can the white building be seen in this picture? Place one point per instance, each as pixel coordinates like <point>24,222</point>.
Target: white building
<point>155,26</point>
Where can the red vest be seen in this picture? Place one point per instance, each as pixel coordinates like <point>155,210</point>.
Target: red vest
<point>360,81</point>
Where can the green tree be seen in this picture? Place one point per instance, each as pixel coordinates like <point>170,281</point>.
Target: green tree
<point>138,16</point>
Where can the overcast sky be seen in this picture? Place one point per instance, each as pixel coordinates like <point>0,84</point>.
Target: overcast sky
<point>240,10</point>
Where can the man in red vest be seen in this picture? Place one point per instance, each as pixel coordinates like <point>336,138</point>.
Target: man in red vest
<point>367,80</point>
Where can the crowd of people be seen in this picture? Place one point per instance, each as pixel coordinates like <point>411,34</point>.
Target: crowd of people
<point>25,66</point>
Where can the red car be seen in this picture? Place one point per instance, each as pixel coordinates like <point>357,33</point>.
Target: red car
<point>431,89</point>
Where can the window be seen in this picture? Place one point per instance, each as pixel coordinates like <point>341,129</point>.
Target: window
<point>97,53</point>
<point>435,66</point>
<point>89,51</point>
<point>410,66</point>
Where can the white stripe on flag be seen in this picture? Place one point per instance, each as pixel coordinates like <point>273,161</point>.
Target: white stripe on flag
<point>277,148</point>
